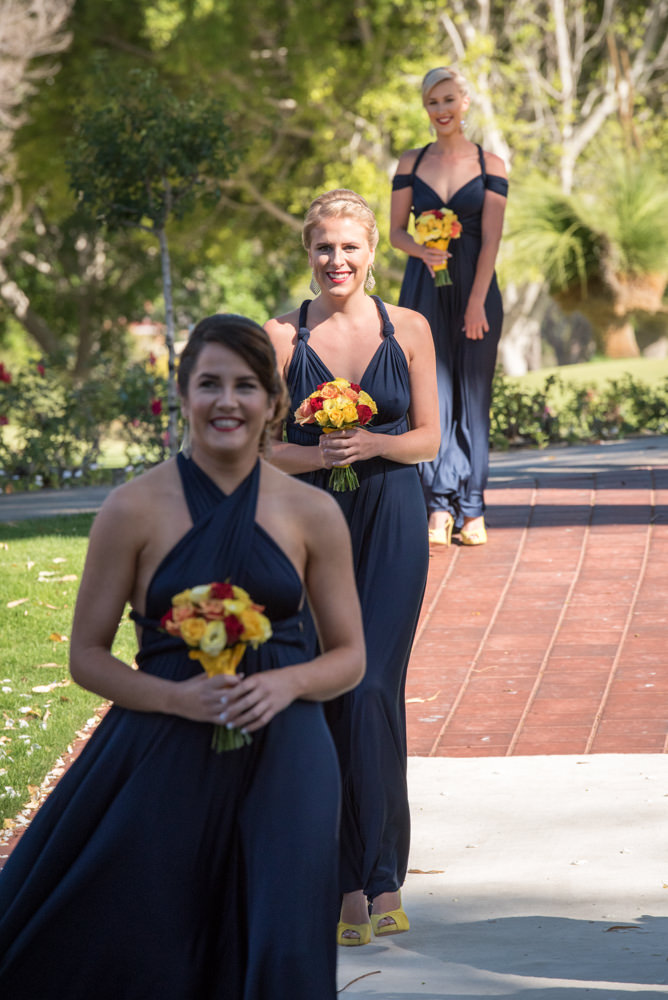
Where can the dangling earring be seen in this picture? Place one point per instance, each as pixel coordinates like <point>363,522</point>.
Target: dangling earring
<point>186,447</point>
<point>314,286</point>
<point>462,124</point>
<point>370,282</point>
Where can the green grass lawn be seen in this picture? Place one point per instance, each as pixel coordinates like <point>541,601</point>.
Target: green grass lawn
<point>42,709</point>
<point>648,370</point>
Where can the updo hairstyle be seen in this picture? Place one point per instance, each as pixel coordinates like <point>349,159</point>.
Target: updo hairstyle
<point>436,76</point>
<point>337,204</point>
<point>247,339</point>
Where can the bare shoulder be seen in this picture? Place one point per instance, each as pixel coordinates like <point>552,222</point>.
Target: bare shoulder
<point>411,328</point>
<point>495,165</point>
<point>282,331</point>
<point>134,502</point>
<point>283,327</point>
<point>407,160</point>
<point>304,504</point>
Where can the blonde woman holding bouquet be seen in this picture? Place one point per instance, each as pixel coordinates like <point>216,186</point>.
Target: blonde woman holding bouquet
<point>465,315</point>
<point>159,867</point>
<point>387,354</point>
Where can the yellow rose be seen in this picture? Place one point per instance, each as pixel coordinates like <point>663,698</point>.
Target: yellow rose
<point>368,401</point>
<point>257,627</point>
<point>342,381</point>
<point>321,418</point>
<point>241,594</point>
<point>214,638</point>
<point>349,413</point>
<point>201,593</point>
<point>192,630</point>
<point>182,598</point>
<point>335,418</point>
<point>234,607</point>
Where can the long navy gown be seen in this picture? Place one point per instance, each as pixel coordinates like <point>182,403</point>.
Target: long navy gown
<point>387,521</point>
<point>158,868</point>
<point>455,481</point>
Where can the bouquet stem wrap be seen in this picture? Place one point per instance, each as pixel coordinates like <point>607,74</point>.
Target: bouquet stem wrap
<point>342,477</point>
<point>225,662</point>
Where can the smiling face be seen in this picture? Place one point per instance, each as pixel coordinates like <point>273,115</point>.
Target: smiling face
<point>340,255</point>
<point>226,405</point>
<point>446,106</point>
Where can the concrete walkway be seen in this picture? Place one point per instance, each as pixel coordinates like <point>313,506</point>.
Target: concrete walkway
<point>537,730</point>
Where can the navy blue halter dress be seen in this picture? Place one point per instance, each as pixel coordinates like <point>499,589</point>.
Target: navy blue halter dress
<point>158,868</point>
<point>387,521</point>
<point>455,481</point>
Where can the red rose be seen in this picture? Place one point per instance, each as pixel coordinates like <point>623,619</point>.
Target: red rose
<point>437,214</point>
<point>4,374</point>
<point>234,628</point>
<point>364,413</point>
<point>156,407</point>
<point>316,404</point>
<point>166,618</point>
<point>355,387</point>
<point>41,370</point>
<point>222,591</point>
<point>152,358</point>
<point>321,386</point>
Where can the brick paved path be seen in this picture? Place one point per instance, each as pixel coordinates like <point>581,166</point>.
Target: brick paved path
<point>553,637</point>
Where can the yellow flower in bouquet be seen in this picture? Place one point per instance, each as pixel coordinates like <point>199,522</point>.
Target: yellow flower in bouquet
<point>218,621</point>
<point>436,228</point>
<point>334,406</point>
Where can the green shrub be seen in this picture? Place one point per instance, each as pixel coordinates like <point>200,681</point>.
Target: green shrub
<point>562,411</point>
<point>52,427</point>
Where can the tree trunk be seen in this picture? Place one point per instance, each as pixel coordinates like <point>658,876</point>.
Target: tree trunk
<point>172,395</point>
<point>619,339</point>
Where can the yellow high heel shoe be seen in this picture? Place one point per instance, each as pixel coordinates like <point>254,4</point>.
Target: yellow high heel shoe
<point>362,930</point>
<point>476,537</point>
<point>400,926</point>
<point>443,535</point>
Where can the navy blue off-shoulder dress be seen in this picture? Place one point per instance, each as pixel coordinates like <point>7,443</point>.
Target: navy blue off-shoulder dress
<point>455,481</point>
<point>388,527</point>
<point>158,868</point>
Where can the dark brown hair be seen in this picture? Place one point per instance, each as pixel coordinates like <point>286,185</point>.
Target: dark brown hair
<point>247,339</point>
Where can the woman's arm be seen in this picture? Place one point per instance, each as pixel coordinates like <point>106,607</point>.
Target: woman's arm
<point>418,444</point>
<point>332,593</point>
<point>400,213</point>
<point>119,534</point>
<point>475,319</point>
<point>290,458</point>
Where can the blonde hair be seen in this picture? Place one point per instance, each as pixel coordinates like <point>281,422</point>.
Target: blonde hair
<point>436,76</point>
<point>340,203</point>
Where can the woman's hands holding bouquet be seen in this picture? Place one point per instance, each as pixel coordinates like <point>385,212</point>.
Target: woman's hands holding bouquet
<point>246,703</point>
<point>340,448</point>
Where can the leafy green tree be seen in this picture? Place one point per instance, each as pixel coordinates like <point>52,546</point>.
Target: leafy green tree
<point>604,251</point>
<point>139,156</point>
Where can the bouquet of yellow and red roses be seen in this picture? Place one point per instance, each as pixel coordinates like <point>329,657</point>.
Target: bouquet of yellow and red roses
<point>218,621</point>
<point>337,406</point>
<point>436,228</point>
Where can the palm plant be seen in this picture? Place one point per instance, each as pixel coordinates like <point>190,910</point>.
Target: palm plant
<point>603,250</point>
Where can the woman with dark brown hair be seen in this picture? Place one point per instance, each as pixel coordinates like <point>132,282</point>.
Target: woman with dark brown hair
<point>158,867</point>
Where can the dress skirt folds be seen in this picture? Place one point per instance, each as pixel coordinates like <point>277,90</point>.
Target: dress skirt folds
<point>161,870</point>
<point>455,481</point>
<point>388,526</point>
